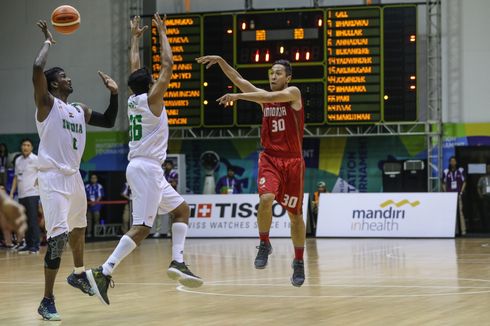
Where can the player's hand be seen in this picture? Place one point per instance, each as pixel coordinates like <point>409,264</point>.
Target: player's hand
<point>14,214</point>
<point>160,23</point>
<point>136,30</point>
<point>208,60</point>
<point>108,82</point>
<point>227,99</point>
<point>44,28</point>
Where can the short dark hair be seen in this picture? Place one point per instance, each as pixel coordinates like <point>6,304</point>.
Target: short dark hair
<point>286,64</point>
<point>52,75</point>
<point>139,81</point>
<point>27,140</point>
<point>452,157</point>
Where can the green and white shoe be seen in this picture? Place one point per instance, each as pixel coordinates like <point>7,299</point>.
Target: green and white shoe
<point>180,272</point>
<point>100,283</point>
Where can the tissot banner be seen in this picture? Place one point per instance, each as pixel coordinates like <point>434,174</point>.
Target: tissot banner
<point>234,216</point>
<point>387,215</point>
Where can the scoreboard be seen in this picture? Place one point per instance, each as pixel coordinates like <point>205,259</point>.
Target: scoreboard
<point>353,65</point>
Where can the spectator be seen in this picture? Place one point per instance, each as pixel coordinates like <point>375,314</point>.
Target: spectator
<point>171,176</point>
<point>95,192</point>
<point>229,184</point>
<point>126,194</point>
<point>483,189</point>
<point>26,168</point>
<point>4,153</point>
<point>321,188</point>
<point>454,180</point>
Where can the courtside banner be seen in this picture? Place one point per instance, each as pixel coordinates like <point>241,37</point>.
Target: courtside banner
<point>424,215</point>
<point>234,216</point>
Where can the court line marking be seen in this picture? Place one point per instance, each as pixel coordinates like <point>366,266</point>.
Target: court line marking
<point>185,290</point>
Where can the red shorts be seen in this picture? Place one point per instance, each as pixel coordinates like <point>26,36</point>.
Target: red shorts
<point>284,178</point>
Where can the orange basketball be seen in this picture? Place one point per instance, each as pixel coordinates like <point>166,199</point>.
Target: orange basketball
<point>65,19</point>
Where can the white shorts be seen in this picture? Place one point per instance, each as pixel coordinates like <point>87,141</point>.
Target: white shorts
<point>64,201</point>
<point>150,191</point>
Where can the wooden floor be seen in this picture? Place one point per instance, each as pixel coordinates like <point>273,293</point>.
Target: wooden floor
<point>349,282</point>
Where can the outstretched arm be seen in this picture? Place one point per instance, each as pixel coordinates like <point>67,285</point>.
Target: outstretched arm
<point>43,99</point>
<point>155,96</point>
<point>289,94</point>
<point>108,118</point>
<point>237,79</point>
<point>136,32</point>
<point>12,212</point>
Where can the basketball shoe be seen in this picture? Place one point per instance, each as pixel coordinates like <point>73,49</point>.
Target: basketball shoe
<point>180,272</point>
<point>265,249</point>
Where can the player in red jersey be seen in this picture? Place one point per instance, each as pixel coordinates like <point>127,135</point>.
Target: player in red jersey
<point>281,164</point>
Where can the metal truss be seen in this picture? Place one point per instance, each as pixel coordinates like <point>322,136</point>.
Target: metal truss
<point>434,93</point>
<point>379,129</point>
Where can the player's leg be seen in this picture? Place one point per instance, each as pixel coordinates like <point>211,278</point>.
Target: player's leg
<point>293,202</point>
<point>268,186</point>
<point>179,211</point>
<point>298,235</point>
<point>145,180</point>
<point>56,207</point>
<point>264,221</point>
<point>77,222</point>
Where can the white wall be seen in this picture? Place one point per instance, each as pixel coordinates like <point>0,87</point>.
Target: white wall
<point>177,6</point>
<point>465,67</point>
<point>102,43</point>
<point>81,54</point>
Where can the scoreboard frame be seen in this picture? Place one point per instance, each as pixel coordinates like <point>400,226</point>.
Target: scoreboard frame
<point>323,63</point>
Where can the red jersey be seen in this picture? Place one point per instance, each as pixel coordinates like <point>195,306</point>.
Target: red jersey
<point>282,129</point>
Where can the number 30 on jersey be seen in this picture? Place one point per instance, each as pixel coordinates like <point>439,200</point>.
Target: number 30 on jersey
<point>278,125</point>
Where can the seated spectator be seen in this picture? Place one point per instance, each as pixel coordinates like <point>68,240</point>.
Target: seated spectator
<point>171,176</point>
<point>229,184</point>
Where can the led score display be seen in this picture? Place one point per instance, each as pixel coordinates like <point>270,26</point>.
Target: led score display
<point>353,65</point>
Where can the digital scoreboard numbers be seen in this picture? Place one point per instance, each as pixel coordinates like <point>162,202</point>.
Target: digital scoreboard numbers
<point>353,65</point>
<point>183,97</point>
<point>297,36</point>
<point>353,68</point>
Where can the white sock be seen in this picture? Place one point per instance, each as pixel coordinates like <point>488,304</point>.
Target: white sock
<point>179,232</point>
<point>125,246</point>
<point>78,270</point>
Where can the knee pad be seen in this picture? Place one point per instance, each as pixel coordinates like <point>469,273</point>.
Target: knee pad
<point>56,245</point>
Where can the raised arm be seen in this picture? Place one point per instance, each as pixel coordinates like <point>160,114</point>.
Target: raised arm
<point>237,79</point>
<point>108,118</point>
<point>290,94</point>
<point>136,32</point>
<point>43,99</point>
<point>155,95</point>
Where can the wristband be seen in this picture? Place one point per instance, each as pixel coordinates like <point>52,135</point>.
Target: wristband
<point>48,42</point>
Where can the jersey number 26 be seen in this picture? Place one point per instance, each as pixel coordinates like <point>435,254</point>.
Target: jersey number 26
<point>135,128</point>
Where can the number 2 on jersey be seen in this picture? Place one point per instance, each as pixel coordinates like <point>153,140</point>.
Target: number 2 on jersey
<point>278,125</point>
<point>135,128</point>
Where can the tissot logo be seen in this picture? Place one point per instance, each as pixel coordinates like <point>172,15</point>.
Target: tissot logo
<point>204,210</point>
<point>233,210</point>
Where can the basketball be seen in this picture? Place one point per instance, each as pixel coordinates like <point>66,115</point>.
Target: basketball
<point>65,19</point>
